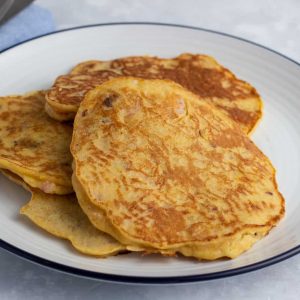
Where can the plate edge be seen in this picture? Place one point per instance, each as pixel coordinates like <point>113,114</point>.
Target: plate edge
<point>146,280</point>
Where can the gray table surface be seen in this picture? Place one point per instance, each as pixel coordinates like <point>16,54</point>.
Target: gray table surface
<point>275,24</point>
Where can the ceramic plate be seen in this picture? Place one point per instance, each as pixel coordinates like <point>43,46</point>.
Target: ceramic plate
<point>36,63</point>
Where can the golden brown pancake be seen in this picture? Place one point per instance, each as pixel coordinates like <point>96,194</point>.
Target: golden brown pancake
<point>199,73</point>
<point>33,145</point>
<point>158,167</point>
<point>62,216</point>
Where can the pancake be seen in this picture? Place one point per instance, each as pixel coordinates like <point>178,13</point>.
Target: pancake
<point>61,216</point>
<point>199,73</point>
<point>33,145</point>
<point>158,167</point>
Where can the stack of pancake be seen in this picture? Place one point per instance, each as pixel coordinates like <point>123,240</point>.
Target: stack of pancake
<point>158,156</point>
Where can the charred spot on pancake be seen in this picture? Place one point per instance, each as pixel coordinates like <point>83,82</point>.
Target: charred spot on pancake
<point>26,143</point>
<point>109,100</point>
<point>269,193</point>
<point>84,113</point>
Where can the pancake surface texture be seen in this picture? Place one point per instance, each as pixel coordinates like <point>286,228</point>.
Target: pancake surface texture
<point>157,167</point>
<point>61,216</point>
<point>33,145</point>
<point>199,73</point>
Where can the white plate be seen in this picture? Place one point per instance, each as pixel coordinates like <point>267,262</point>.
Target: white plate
<point>35,64</point>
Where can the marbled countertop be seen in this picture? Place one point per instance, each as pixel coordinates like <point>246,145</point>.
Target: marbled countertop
<point>275,24</point>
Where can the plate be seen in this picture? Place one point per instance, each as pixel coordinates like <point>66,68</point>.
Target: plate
<point>36,63</point>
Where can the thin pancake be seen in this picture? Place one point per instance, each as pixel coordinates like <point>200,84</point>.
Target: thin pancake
<point>62,216</point>
<point>199,73</point>
<point>165,170</point>
<point>33,145</point>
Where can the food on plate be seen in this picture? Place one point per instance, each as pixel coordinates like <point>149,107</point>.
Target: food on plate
<point>201,74</point>
<point>61,216</point>
<point>160,168</point>
<point>161,158</point>
<point>33,145</point>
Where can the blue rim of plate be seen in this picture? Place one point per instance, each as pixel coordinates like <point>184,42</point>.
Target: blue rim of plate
<point>151,280</point>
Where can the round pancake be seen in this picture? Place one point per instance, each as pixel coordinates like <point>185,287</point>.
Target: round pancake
<point>63,217</point>
<point>199,73</point>
<point>33,145</point>
<point>163,169</point>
